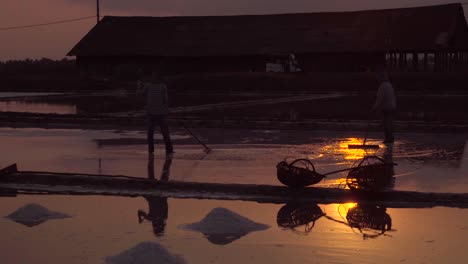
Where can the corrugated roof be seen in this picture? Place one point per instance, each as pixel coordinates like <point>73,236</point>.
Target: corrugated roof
<point>420,28</point>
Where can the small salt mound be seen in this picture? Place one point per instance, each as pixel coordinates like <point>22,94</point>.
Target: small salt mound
<point>34,214</point>
<point>222,226</point>
<point>146,253</point>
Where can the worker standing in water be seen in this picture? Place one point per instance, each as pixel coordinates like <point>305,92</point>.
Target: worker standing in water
<point>385,105</point>
<point>157,110</point>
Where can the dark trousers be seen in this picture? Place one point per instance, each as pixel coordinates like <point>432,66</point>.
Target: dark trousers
<point>161,121</point>
<point>388,117</point>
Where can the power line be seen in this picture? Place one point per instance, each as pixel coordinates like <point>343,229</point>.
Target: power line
<point>82,18</point>
<point>47,24</point>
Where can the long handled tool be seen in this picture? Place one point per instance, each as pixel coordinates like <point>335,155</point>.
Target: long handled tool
<point>207,149</point>
<point>364,146</point>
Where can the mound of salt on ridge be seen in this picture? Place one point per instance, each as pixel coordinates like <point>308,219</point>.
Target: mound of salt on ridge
<point>222,226</point>
<point>146,253</point>
<point>34,214</point>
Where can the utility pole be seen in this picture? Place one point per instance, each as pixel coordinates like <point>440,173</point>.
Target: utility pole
<point>97,11</point>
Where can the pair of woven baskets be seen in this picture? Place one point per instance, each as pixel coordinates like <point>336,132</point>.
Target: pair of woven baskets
<point>372,173</point>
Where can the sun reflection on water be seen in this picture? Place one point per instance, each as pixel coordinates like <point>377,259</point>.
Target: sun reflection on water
<point>344,208</point>
<point>341,147</point>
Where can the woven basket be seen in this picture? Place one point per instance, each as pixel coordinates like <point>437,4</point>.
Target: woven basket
<point>371,174</point>
<point>297,174</point>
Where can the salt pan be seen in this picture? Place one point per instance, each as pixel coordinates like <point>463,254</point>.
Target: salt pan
<point>146,253</point>
<point>34,214</point>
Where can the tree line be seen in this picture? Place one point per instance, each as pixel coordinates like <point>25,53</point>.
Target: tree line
<point>31,66</point>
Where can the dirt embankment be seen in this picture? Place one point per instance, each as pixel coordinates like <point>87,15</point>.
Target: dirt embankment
<point>428,99</point>
<point>317,82</point>
<point>227,83</point>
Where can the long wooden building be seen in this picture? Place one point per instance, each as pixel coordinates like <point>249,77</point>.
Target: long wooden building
<point>431,38</point>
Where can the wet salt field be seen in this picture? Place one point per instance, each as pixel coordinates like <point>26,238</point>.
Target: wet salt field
<point>42,108</point>
<point>425,162</point>
<point>450,106</point>
<point>106,229</point>
<point>26,94</point>
<point>23,102</point>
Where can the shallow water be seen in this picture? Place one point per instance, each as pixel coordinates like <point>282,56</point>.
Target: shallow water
<point>426,162</point>
<point>37,107</point>
<point>102,226</point>
<point>106,226</point>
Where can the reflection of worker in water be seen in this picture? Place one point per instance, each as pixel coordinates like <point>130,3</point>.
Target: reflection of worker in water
<point>389,169</point>
<point>385,104</point>
<point>158,207</point>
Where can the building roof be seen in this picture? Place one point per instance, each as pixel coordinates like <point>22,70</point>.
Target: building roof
<point>408,29</point>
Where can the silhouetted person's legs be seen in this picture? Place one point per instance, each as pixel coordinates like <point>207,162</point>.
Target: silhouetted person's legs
<point>151,167</point>
<point>388,117</point>
<point>162,123</point>
<point>165,133</point>
<point>389,171</point>
<point>150,134</point>
<point>166,169</point>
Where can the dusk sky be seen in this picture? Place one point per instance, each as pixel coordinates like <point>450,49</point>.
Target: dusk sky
<point>55,41</point>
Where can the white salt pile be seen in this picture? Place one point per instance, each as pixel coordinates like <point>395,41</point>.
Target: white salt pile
<point>224,221</point>
<point>34,214</point>
<point>146,253</point>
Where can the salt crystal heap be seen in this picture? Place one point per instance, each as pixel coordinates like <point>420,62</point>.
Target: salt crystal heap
<point>146,253</point>
<point>222,226</point>
<point>34,214</point>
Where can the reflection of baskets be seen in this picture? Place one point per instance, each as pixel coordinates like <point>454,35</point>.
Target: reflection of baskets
<point>369,218</point>
<point>291,216</point>
<point>299,173</point>
<point>371,174</point>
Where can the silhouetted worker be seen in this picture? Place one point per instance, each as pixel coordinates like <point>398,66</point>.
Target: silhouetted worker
<point>158,207</point>
<point>385,104</point>
<point>157,110</point>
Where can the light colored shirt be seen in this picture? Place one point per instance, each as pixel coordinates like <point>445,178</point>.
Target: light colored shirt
<point>386,98</point>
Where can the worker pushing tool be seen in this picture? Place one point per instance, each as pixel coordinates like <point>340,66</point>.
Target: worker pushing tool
<point>157,109</point>
<point>385,104</point>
